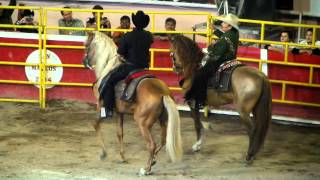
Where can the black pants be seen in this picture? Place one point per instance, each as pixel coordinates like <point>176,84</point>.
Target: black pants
<point>198,90</point>
<point>120,73</point>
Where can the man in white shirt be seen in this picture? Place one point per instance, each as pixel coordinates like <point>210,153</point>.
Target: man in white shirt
<point>308,41</point>
<point>285,36</point>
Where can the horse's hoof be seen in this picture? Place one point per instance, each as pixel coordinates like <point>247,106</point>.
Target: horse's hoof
<point>122,161</point>
<point>197,146</point>
<point>196,149</point>
<point>103,156</point>
<point>249,160</point>
<point>143,172</point>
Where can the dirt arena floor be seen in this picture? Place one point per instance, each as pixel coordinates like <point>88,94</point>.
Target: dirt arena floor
<point>59,143</point>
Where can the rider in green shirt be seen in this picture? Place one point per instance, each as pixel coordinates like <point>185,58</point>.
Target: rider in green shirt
<point>224,49</point>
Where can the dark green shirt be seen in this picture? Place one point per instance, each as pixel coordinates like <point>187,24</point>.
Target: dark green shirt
<point>71,23</point>
<point>225,48</point>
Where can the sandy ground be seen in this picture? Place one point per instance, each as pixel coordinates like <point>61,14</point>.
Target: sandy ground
<point>60,143</point>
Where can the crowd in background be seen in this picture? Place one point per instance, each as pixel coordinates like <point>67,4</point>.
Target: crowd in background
<point>26,17</point>
<point>286,37</point>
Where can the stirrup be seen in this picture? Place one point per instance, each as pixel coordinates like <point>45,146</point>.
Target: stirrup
<point>190,102</point>
<point>105,114</point>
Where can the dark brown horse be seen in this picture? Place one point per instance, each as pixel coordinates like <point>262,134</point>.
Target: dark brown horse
<point>250,93</point>
<point>152,102</point>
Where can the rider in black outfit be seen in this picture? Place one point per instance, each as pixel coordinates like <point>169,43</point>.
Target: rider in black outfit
<point>134,48</point>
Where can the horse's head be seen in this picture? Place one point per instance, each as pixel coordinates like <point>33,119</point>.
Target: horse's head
<point>100,53</point>
<point>186,55</point>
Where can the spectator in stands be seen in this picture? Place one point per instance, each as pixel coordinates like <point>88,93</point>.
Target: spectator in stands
<point>104,21</point>
<point>308,41</point>
<point>20,11</point>
<point>124,24</point>
<point>27,18</point>
<point>285,36</point>
<point>69,21</point>
<point>5,15</point>
<point>170,25</point>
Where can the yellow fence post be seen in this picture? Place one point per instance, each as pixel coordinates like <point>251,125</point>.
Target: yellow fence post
<point>44,61</point>
<point>40,28</point>
<point>262,31</point>
<point>209,29</point>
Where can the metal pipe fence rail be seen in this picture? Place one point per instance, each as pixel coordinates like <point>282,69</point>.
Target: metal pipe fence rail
<point>42,46</point>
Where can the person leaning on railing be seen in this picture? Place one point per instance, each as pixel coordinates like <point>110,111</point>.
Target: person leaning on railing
<point>307,41</point>
<point>27,18</point>
<point>69,21</point>
<point>104,21</point>
<point>170,25</point>
<point>285,37</point>
<point>124,24</point>
<point>5,15</point>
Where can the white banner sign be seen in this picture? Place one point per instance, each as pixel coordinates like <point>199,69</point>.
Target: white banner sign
<point>53,73</point>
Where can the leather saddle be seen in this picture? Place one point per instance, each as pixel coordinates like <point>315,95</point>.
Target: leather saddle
<point>125,89</point>
<point>221,80</point>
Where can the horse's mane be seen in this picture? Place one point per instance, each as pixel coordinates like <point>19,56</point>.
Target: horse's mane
<point>188,51</point>
<point>105,54</point>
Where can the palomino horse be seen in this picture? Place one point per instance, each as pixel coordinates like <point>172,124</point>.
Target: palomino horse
<point>152,102</point>
<point>250,93</point>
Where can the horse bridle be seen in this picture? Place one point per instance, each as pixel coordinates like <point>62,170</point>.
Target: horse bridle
<point>174,62</point>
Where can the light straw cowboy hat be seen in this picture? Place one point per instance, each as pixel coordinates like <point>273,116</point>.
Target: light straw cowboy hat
<point>231,19</point>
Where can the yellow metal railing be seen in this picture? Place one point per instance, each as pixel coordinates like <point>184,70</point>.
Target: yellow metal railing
<point>39,46</point>
<point>285,61</point>
<point>43,46</point>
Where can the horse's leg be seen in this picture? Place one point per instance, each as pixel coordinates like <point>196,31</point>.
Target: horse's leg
<point>163,125</point>
<point>246,119</point>
<point>120,137</point>
<point>198,126</point>
<point>262,115</point>
<point>97,127</point>
<point>145,128</point>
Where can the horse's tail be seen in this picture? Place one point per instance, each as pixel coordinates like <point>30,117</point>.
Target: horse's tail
<point>173,141</point>
<point>262,114</point>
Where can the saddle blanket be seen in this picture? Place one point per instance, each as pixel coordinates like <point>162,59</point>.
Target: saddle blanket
<point>221,80</point>
<point>125,89</point>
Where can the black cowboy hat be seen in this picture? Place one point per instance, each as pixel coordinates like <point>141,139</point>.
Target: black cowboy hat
<point>27,12</point>
<point>140,20</point>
